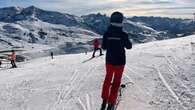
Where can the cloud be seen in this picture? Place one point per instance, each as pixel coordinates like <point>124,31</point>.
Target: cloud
<point>163,8</point>
<point>128,7</point>
<point>155,2</point>
<point>116,0</point>
<point>185,1</point>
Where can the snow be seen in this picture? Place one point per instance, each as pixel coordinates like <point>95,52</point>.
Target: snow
<point>141,26</point>
<point>16,35</point>
<point>161,72</point>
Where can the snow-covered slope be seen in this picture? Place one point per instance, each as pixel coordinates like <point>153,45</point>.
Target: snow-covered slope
<point>25,35</point>
<point>19,26</point>
<point>31,27</point>
<point>139,31</point>
<point>99,23</point>
<point>13,14</point>
<point>170,25</point>
<point>162,73</point>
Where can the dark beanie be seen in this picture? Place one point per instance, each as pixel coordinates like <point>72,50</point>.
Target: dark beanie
<point>116,17</point>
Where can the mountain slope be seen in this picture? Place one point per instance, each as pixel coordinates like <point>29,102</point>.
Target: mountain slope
<point>28,35</point>
<point>20,14</point>
<point>175,26</point>
<point>143,29</point>
<point>8,12</point>
<point>162,73</point>
<point>100,23</point>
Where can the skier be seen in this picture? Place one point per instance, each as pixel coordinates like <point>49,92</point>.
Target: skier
<point>114,42</point>
<point>96,47</point>
<point>192,47</point>
<point>13,59</point>
<point>51,55</point>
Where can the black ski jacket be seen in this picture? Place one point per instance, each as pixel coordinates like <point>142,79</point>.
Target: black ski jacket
<point>114,42</point>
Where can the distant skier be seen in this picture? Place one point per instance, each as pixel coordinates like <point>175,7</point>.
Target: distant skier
<point>114,41</point>
<point>192,44</point>
<point>96,45</point>
<point>51,55</point>
<point>0,63</point>
<point>85,52</point>
<point>13,59</point>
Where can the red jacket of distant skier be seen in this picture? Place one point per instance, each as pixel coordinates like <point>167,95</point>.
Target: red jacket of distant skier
<point>96,43</point>
<point>13,56</point>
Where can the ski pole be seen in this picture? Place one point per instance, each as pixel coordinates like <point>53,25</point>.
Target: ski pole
<point>120,93</point>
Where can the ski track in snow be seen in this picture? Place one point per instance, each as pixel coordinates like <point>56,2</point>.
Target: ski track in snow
<point>179,80</point>
<point>82,104</point>
<point>173,67</point>
<point>148,70</point>
<point>163,80</point>
<point>88,102</point>
<point>129,79</point>
<point>170,88</point>
<point>74,84</point>
<point>167,85</point>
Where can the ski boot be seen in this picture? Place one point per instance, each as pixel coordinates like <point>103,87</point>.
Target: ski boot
<point>101,54</point>
<point>103,106</point>
<point>110,107</point>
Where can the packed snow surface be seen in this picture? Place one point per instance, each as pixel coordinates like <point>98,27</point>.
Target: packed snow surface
<point>161,72</point>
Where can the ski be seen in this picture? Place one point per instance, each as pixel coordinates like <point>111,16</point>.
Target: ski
<point>122,87</point>
<point>91,58</point>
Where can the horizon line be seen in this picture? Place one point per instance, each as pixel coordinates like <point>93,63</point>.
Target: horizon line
<point>162,16</point>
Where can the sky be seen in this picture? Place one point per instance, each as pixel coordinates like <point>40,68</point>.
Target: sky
<point>164,8</point>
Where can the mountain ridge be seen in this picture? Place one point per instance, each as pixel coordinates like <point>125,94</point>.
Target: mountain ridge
<point>20,25</point>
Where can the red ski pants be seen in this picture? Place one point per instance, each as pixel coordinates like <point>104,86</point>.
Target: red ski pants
<point>112,83</point>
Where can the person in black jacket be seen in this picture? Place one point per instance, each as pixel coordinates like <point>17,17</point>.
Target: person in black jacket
<point>114,42</point>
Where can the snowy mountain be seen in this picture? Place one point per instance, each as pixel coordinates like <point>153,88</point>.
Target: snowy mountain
<point>99,23</point>
<point>143,29</point>
<point>52,17</point>
<point>24,28</point>
<point>28,28</point>
<point>170,25</point>
<point>7,13</point>
<point>29,35</point>
<point>161,72</point>
<point>31,27</point>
